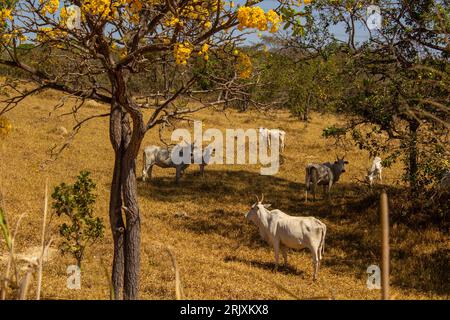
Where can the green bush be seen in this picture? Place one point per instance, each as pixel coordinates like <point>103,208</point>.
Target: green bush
<point>76,203</point>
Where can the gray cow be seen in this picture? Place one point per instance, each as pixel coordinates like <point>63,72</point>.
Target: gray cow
<point>162,157</point>
<point>283,231</point>
<point>325,174</point>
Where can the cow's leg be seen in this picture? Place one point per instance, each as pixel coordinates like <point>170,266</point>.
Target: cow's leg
<point>144,167</point>
<point>276,247</point>
<point>330,184</point>
<point>202,170</point>
<point>314,190</point>
<point>284,252</point>
<point>315,261</point>
<point>381,179</point>
<point>307,184</point>
<point>149,172</point>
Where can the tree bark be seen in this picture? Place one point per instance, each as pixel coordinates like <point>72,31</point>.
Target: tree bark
<point>133,228</point>
<point>126,142</point>
<point>412,158</point>
<point>306,112</point>
<point>117,228</point>
<point>115,200</point>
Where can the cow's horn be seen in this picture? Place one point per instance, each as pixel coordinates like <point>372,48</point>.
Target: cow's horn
<point>257,198</point>
<point>262,197</point>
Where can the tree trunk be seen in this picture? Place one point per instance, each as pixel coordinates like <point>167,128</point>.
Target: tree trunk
<point>133,228</point>
<point>126,143</point>
<point>306,112</point>
<point>117,228</point>
<point>412,158</point>
<point>117,137</point>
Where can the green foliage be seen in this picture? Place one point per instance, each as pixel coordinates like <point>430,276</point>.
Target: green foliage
<point>76,203</point>
<point>298,80</point>
<point>333,131</point>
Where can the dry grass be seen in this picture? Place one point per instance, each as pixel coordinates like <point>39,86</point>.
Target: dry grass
<point>218,254</point>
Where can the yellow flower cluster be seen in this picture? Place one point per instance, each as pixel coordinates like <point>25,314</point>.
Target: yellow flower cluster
<point>299,2</point>
<point>49,33</point>
<point>244,66</point>
<point>173,21</point>
<point>255,17</point>
<point>204,51</point>
<point>108,9</point>
<point>50,6</point>
<point>5,14</point>
<point>197,10</point>
<point>15,34</point>
<point>101,8</point>
<point>274,20</point>
<point>182,52</point>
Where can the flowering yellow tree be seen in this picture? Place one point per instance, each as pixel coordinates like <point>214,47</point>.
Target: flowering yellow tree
<point>117,39</point>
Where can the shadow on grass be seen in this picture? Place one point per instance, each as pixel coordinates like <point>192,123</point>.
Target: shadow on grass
<point>352,218</point>
<point>425,272</point>
<point>266,265</point>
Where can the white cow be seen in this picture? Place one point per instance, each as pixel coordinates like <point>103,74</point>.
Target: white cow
<point>283,231</point>
<point>267,134</point>
<point>375,171</point>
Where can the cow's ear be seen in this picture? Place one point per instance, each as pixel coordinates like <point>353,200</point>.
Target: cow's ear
<point>346,162</point>
<point>267,205</point>
<point>335,162</point>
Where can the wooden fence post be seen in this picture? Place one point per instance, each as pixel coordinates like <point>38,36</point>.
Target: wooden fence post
<point>384,211</point>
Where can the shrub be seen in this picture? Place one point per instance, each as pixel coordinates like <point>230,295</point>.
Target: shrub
<point>76,202</point>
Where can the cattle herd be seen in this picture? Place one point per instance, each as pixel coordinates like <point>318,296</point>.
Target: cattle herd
<point>275,227</point>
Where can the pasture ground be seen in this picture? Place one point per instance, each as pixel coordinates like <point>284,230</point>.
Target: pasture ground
<point>219,254</point>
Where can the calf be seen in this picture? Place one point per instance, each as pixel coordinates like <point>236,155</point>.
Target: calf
<point>283,231</point>
<point>325,174</point>
<point>375,171</point>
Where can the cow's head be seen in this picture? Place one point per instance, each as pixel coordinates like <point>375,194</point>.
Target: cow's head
<point>255,211</point>
<point>340,163</point>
